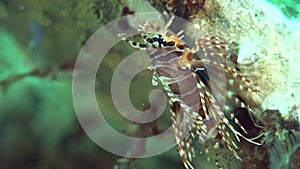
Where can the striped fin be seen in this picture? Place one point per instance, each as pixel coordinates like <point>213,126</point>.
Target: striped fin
<point>184,145</point>
<point>211,47</point>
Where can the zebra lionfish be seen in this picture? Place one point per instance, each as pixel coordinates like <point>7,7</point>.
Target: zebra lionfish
<point>195,110</point>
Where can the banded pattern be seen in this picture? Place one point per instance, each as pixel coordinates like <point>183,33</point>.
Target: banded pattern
<point>196,112</point>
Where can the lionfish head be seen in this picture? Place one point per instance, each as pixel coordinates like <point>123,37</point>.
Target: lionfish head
<point>159,36</point>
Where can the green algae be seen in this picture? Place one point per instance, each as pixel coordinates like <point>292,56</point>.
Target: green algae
<point>291,8</point>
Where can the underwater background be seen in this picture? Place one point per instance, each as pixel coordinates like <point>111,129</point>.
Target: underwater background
<point>39,44</point>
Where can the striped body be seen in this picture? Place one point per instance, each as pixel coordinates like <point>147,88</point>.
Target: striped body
<point>196,112</point>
